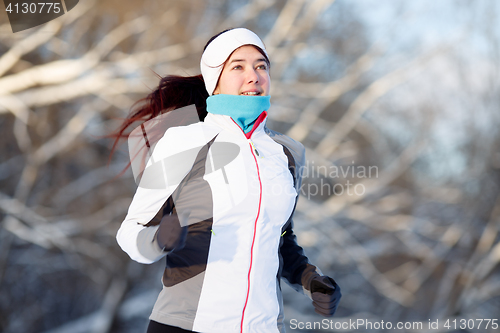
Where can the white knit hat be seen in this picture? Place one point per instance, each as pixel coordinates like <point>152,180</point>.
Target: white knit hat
<point>220,49</point>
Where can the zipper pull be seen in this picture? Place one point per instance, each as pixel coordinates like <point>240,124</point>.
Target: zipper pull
<point>255,149</point>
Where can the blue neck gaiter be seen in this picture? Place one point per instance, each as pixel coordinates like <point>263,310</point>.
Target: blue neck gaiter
<point>244,110</point>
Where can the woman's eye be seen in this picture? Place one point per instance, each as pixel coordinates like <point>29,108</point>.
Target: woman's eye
<point>262,67</point>
<point>237,67</point>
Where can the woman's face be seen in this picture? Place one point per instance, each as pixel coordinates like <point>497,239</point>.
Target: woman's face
<point>245,73</point>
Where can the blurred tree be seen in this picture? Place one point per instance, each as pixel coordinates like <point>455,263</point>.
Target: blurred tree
<point>401,194</point>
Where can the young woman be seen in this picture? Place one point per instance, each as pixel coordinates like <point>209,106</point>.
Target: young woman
<point>217,197</point>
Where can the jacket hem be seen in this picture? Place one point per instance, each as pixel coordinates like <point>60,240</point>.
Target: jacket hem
<point>168,319</point>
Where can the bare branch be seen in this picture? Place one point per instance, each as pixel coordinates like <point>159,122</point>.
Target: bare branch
<point>372,93</point>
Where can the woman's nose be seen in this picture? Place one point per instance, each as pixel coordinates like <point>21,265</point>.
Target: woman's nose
<point>252,76</point>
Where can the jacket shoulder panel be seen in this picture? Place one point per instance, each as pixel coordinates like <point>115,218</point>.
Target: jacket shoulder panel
<point>296,149</point>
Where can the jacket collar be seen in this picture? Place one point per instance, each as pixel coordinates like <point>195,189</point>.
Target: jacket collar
<point>229,124</point>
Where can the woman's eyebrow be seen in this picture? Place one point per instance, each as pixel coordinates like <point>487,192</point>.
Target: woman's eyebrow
<point>239,60</point>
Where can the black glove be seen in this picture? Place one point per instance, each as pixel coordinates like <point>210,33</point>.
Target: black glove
<point>325,295</point>
<point>170,234</point>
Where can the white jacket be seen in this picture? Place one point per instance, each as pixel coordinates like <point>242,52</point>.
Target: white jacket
<point>226,277</point>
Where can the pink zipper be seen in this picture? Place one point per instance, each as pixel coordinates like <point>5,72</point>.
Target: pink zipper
<point>253,240</point>
<point>252,148</point>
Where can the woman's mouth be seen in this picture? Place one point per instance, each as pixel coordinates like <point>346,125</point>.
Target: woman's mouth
<point>251,93</point>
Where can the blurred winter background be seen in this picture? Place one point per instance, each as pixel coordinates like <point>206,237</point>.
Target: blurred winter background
<point>409,90</point>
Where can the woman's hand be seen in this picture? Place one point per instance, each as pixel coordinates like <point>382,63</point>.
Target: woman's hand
<point>170,234</point>
<point>325,294</point>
